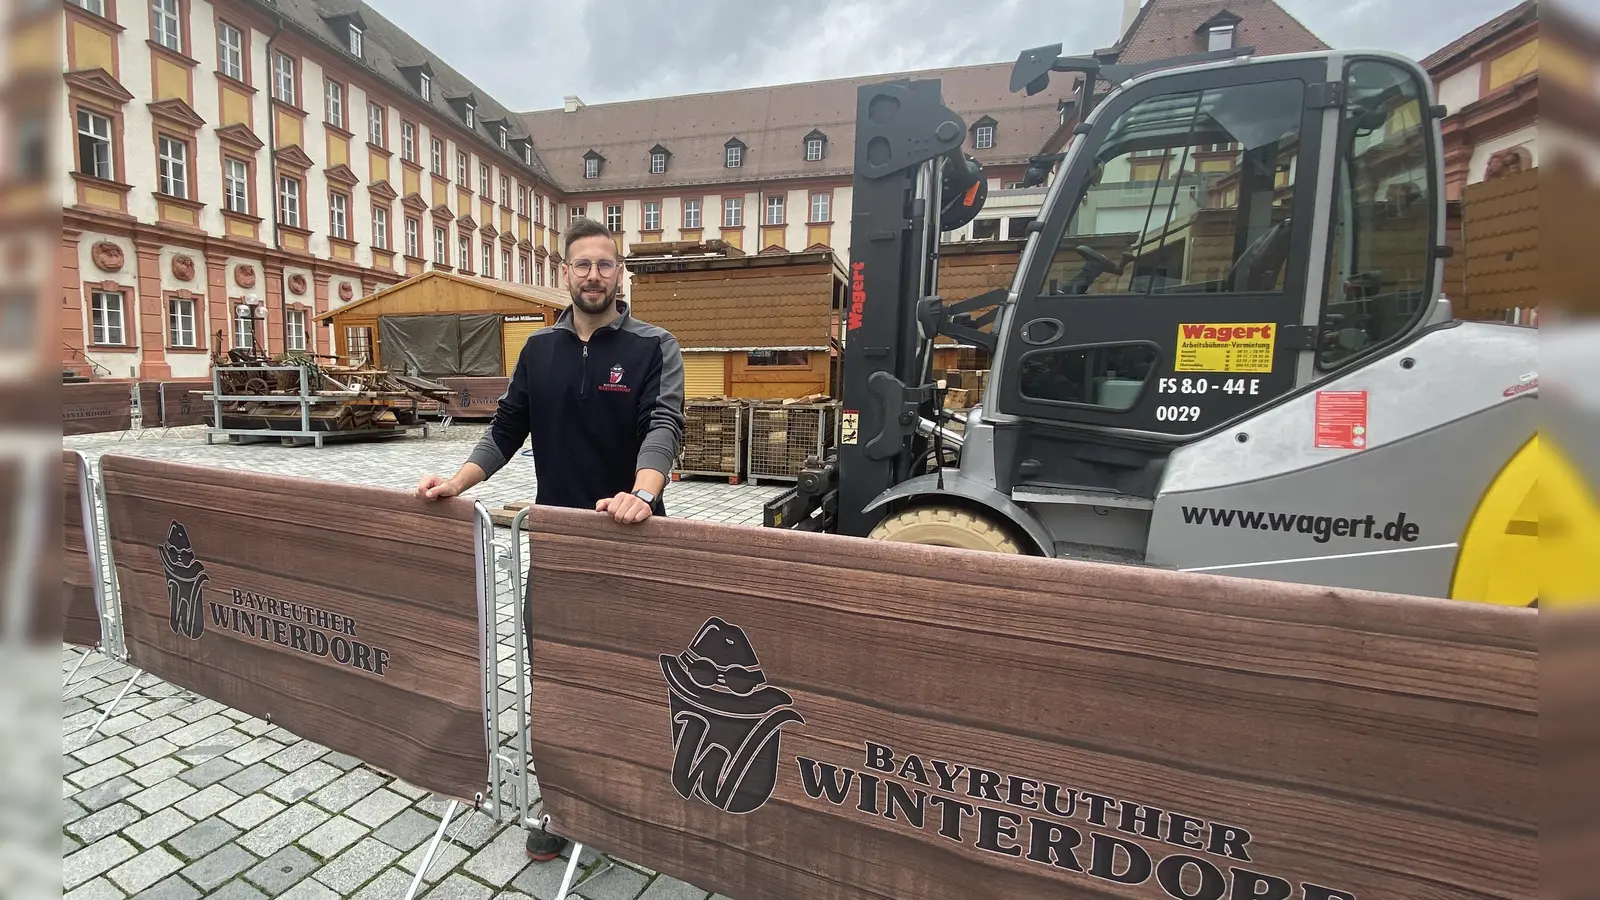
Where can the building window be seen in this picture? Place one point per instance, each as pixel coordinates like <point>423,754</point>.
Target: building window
<point>426,86</point>
<point>775,210</point>
<point>408,142</point>
<point>614,218</point>
<point>505,192</point>
<point>180,323</point>
<point>357,345</point>
<point>464,252</point>
<point>691,213</point>
<point>438,246</point>
<point>337,218</point>
<point>777,358</point>
<point>288,201</point>
<point>522,269</point>
<point>230,51</point>
<point>983,137</point>
<point>380,228</point>
<point>538,274</point>
<point>174,167</point>
<point>813,149</point>
<point>470,119</point>
<point>283,78</point>
<point>488,261</point>
<point>98,7</point>
<point>236,186</point>
<point>375,125</point>
<point>483,182</point>
<point>502,137</point>
<point>1220,37</point>
<point>437,148</point>
<point>244,331</point>
<point>355,41</point>
<point>733,157</point>
<point>591,168</point>
<point>733,212</point>
<point>294,330</point>
<point>105,308</point>
<point>505,265</point>
<point>658,163</point>
<point>652,215</point>
<point>94,145</point>
<point>461,169</point>
<point>335,104</point>
<point>166,25</point>
<point>522,200</point>
<point>527,155</point>
<point>819,206</point>
<point>413,248</point>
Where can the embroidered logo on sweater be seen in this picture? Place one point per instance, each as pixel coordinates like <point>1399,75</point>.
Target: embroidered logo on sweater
<point>614,381</point>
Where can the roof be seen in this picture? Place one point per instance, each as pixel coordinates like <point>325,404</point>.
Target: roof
<point>1167,28</point>
<point>773,123</point>
<point>386,48</point>
<point>546,297</point>
<point>1522,14</point>
<point>776,300</point>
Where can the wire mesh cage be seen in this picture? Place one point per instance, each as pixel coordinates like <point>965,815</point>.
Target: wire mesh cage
<point>713,439</point>
<point>784,435</point>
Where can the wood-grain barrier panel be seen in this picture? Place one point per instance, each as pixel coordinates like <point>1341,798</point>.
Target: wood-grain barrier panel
<point>1322,743</point>
<point>92,407</point>
<point>363,603</point>
<point>475,396</point>
<point>80,613</point>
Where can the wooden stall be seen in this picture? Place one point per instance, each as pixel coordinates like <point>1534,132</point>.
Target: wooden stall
<point>443,325</point>
<point>967,269</point>
<point>760,327</point>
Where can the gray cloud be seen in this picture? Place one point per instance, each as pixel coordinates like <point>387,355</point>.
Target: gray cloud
<point>531,54</point>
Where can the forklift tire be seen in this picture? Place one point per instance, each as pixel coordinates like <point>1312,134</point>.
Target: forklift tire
<point>945,526</point>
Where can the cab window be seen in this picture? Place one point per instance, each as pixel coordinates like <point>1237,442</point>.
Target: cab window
<point>1189,193</point>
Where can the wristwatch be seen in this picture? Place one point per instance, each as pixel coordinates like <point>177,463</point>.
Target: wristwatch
<point>645,495</point>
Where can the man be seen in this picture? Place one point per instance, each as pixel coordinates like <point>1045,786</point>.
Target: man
<point>600,395</point>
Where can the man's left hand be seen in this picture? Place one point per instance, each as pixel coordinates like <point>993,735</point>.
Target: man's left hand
<point>625,508</point>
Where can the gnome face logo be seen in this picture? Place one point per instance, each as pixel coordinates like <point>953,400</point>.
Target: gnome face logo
<point>186,581</point>
<point>725,720</point>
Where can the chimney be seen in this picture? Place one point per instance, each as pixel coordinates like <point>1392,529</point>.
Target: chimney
<point>1130,11</point>
<point>572,103</point>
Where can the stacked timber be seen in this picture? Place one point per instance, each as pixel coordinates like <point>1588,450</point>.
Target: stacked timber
<point>784,434</point>
<point>713,438</point>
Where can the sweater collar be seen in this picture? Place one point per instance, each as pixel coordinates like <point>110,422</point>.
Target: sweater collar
<point>564,321</point>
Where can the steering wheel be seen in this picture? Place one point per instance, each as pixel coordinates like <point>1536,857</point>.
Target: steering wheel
<point>1095,256</point>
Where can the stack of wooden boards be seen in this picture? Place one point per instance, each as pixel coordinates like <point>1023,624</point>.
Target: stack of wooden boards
<point>963,387</point>
<point>736,438</point>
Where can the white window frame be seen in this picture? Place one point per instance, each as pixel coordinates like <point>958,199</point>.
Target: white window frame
<point>338,216</point>
<point>355,40</point>
<point>413,239</point>
<point>522,200</point>
<point>591,167</point>
<point>733,212</point>
<point>652,215</point>
<point>658,163</point>
<point>1220,37</point>
<point>106,328</point>
<point>181,331</point>
<point>527,154</point>
<point>983,137</point>
<point>236,185</point>
<point>464,251</point>
<point>826,206</point>
<point>614,218</point>
<point>230,53</point>
<point>103,164</point>
<point>426,84</point>
<point>294,330</point>
<point>483,182</point>
<point>438,245</point>
<point>289,201</point>
<point>98,7</point>
<point>334,97</point>
<point>380,227</point>
<point>732,157</point>
<point>505,264</point>
<point>172,176</point>
<point>488,260</point>
<point>505,191</point>
<point>463,166</point>
<point>408,142</point>
<point>283,80</point>
<point>244,332</point>
<point>522,268</point>
<point>166,25</point>
<point>436,151</point>
<point>774,209</point>
<point>470,118</point>
<point>502,138</point>
<point>691,213</point>
<point>813,143</point>
<point>375,125</point>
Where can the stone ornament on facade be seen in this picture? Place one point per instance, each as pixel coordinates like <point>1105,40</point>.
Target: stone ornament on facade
<point>346,291</point>
<point>245,276</point>
<point>297,283</point>
<point>1510,161</point>
<point>183,267</point>
<point>107,256</point>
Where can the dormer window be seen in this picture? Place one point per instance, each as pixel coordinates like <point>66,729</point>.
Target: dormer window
<point>983,133</point>
<point>1219,37</point>
<point>355,41</point>
<point>591,164</point>
<point>502,137</point>
<point>816,145</point>
<point>426,86</point>
<point>658,159</point>
<point>469,116</point>
<point>733,153</point>
<point>527,154</point>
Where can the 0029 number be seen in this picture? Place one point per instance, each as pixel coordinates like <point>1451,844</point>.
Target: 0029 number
<point>1177,414</point>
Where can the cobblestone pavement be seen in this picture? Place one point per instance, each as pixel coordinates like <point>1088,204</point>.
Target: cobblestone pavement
<point>179,797</point>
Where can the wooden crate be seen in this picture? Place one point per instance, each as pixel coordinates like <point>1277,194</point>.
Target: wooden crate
<point>713,439</point>
<point>784,435</point>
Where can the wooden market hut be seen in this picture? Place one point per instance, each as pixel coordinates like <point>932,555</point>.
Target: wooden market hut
<point>442,325</point>
<point>758,327</point>
<point>967,269</point>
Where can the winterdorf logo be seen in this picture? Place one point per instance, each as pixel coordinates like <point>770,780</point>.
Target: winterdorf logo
<point>186,584</point>
<point>725,720</point>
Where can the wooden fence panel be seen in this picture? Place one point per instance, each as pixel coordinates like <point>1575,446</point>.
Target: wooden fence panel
<point>1500,225</point>
<point>90,407</point>
<point>782,715</point>
<point>80,610</point>
<point>347,614</point>
<point>181,405</point>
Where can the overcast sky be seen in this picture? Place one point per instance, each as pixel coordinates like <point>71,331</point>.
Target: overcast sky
<point>530,53</point>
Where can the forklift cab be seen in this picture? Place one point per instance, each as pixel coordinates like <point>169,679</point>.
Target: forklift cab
<point>1189,268</point>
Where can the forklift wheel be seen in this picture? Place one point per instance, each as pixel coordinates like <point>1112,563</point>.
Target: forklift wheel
<point>945,526</point>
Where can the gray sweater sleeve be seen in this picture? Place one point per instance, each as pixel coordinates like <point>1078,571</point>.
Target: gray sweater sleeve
<point>661,418</point>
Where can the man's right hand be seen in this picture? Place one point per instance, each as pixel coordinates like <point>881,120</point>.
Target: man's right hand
<point>432,487</point>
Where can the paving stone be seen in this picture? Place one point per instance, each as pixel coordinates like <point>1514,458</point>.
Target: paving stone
<point>210,772</point>
<point>196,732</point>
<point>254,751</point>
<point>104,823</point>
<point>357,865</point>
<point>254,727</point>
<point>341,761</point>
<point>203,837</point>
<point>96,889</point>
<point>219,867</point>
<point>152,830</point>
<point>236,890</point>
<point>96,859</point>
<point>407,830</point>
<point>157,771</point>
<point>199,709</point>
<point>282,829</point>
<point>280,871</point>
<point>459,887</point>
<point>541,880</point>
<point>162,795</point>
<point>502,859</point>
<point>149,752</point>
<point>99,773</point>
<point>208,802</point>
<point>70,846</point>
<point>173,888</point>
<point>332,836</point>
<point>616,883</point>
<point>71,811</point>
<point>339,795</point>
<point>254,778</point>
<point>300,783</point>
<point>214,746</point>
<point>145,870</point>
<point>405,789</point>
<point>377,807</point>
<point>391,883</point>
<point>164,706</point>
<point>666,887</point>
<point>101,750</point>
<point>445,861</point>
<point>121,722</point>
<point>158,727</point>
<point>103,795</point>
<point>312,889</point>
<point>252,811</point>
<point>296,755</point>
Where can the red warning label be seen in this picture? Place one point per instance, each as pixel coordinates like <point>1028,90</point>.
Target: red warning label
<point>1341,420</point>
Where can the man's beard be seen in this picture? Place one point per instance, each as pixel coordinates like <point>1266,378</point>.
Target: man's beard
<point>591,306</point>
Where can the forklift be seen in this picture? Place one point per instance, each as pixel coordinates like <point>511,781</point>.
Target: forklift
<point>1224,349</point>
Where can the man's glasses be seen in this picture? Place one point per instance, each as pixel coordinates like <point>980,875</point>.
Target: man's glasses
<point>582,266</point>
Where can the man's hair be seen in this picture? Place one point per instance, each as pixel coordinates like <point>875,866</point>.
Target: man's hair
<point>583,227</point>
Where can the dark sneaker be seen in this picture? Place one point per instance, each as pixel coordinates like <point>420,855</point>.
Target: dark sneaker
<point>544,846</point>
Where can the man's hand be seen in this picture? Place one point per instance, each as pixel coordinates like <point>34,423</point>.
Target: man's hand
<point>625,508</point>
<point>432,487</point>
